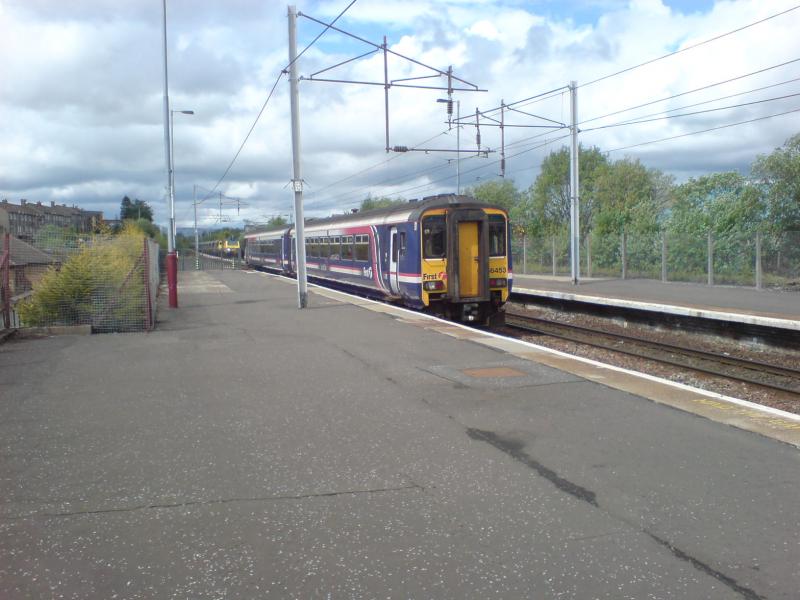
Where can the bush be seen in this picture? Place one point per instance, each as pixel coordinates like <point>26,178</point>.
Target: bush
<point>100,284</point>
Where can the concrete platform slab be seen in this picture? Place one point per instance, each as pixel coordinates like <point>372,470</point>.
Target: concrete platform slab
<point>248,449</point>
<point>767,308</point>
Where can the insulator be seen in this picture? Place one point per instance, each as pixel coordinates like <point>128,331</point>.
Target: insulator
<point>400,149</point>
<point>503,165</point>
<point>478,139</point>
<point>449,108</point>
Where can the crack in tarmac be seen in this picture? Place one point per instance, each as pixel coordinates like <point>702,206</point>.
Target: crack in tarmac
<point>413,486</point>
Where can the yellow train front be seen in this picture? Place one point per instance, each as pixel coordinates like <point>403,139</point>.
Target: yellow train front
<point>465,259</point>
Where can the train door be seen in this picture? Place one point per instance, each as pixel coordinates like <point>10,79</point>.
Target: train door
<point>394,260</point>
<point>469,259</point>
<point>468,255</point>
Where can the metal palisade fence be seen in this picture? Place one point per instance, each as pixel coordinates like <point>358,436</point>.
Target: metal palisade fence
<point>761,260</point>
<point>60,278</point>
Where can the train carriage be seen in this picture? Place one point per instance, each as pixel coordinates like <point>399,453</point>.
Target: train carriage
<point>448,254</point>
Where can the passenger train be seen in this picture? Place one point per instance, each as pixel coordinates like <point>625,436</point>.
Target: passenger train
<point>447,254</point>
<point>221,248</point>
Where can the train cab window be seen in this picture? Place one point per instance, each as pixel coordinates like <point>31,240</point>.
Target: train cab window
<point>362,247</point>
<point>347,247</point>
<point>434,236</point>
<point>401,243</point>
<point>497,235</point>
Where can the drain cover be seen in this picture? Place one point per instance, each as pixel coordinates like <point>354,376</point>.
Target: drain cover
<point>493,372</point>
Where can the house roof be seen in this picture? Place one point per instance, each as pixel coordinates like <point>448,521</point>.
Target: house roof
<point>25,209</point>
<point>23,254</point>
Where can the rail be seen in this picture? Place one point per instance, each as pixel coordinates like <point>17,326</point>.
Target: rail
<point>738,369</point>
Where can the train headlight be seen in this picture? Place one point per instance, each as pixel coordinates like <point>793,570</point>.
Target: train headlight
<point>433,286</point>
<point>498,282</point>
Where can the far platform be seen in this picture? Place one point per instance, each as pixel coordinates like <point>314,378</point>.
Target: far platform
<point>770,308</point>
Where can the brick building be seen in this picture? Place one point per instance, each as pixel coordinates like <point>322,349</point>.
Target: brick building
<point>25,219</point>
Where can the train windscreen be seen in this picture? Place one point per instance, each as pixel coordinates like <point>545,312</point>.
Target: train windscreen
<point>434,236</point>
<point>497,235</point>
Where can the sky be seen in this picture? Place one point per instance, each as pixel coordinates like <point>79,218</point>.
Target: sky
<point>81,99</point>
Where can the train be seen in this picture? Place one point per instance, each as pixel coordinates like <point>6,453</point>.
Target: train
<point>221,248</point>
<point>447,254</point>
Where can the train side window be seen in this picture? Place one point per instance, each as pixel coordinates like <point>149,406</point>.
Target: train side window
<point>362,247</point>
<point>434,237</point>
<point>497,235</point>
<point>347,247</point>
<point>324,248</point>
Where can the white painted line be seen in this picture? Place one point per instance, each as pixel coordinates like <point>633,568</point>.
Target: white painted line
<point>681,386</point>
<point>668,308</point>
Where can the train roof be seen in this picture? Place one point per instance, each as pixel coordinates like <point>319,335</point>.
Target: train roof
<point>264,231</point>
<point>409,211</point>
<point>400,213</point>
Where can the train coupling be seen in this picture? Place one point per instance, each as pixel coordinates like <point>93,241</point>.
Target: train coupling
<point>470,312</point>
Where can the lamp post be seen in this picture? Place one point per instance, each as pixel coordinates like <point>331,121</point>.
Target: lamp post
<point>172,258</point>
<point>172,162</point>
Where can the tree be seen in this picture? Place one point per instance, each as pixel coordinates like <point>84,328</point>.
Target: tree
<point>278,221</point>
<point>779,173</point>
<point>501,193</point>
<point>626,198</point>
<point>546,206</point>
<point>137,209</point>
<point>370,203</point>
<point>149,229</point>
<point>226,233</point>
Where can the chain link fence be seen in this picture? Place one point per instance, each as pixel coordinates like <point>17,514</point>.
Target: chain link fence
<point>735,258</point>
<point>63,279</point>
<point>189,261</point>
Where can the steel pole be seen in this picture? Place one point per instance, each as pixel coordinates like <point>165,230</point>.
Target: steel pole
<point>458,147</point>
<point>172,258</point>
<point>574,182</point>
<point>172,173</point>
<point>297,181</point>
<point>196,235</point>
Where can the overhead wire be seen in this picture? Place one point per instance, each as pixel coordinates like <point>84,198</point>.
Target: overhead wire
<point>675,137</point>
<point>698,112</point>
<point>271,92</point>
<point>711,101</point>
<point>691,47</point>
<point>375,166</point>
<point>492,163</point>
<point>692,91</point>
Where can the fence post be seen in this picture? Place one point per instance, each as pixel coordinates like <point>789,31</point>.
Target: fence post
<point>554,255</point>
<point>664,256</point>
<point>524,254</point>
<point>147,291</point>
<point>624,254</point>
<point>710,259</point>
<point>588,255</point>
<point>759,274</point>
<point>5,268</point>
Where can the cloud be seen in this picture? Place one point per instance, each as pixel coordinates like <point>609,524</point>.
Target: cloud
<point>82,94</point>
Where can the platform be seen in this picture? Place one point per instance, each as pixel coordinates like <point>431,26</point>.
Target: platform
<point>768,308</point>
<point>247,449</point>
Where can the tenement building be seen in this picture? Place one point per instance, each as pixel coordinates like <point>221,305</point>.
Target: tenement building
<point>25,219</point>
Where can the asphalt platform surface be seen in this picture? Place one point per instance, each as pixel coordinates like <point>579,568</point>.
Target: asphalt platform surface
<point>246,449</point>
<point>782,304</point>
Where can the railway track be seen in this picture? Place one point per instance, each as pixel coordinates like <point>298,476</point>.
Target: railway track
<point>762,374</point>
